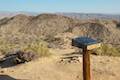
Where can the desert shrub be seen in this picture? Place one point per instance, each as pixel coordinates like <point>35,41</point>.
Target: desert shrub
<point>6,47</point>
<point>107,49</point>
<point>118,25</point>
<point>21,57</point>
<point>38,47</point>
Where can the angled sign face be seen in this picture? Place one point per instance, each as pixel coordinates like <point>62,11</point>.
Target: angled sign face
<point>85,42</point>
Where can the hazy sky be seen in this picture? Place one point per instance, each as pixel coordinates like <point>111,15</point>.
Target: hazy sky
<point>85,6</point>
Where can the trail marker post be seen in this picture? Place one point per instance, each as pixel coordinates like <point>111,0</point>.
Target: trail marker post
<point>86,44</point>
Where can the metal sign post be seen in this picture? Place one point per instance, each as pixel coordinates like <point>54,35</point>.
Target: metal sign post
<point>86,44</point>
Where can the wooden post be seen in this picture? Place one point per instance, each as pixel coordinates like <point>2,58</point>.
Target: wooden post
<point>86,64</point>
<point>86,44</point>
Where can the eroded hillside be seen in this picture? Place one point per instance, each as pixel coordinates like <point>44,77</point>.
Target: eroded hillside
<point>23,29</point>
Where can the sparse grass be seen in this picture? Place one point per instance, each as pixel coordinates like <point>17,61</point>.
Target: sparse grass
<point>38,47</point>
<point>107,49</point>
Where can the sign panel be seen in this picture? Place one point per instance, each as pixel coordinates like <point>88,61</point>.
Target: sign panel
<point>85,42</point>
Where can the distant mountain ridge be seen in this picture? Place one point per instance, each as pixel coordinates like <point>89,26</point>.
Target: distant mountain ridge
<point>92,16</point>
<point>4,14</point>
<point>73,15</point>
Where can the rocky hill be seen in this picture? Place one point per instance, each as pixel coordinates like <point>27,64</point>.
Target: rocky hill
<point>52,24</point>
<point>22,29</point>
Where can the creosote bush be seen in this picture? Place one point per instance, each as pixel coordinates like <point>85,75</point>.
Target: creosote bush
<point>38,47</point>
<point>108,50</point>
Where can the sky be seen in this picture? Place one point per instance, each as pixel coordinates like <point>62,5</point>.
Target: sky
<point>78,6</point>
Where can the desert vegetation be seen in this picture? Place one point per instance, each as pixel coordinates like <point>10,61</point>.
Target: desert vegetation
<point>33,32</point>
<point>107,50</point>
<point>25,38</point>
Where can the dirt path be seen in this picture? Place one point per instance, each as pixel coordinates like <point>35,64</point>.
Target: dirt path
<point>103,68</point>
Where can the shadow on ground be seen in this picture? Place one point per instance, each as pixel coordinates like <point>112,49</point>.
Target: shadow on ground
<point>6,77</point>
<point>18,57</point>
<point>7,63</point>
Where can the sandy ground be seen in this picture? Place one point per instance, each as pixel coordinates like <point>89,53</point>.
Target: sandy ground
<point>50,68</point>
